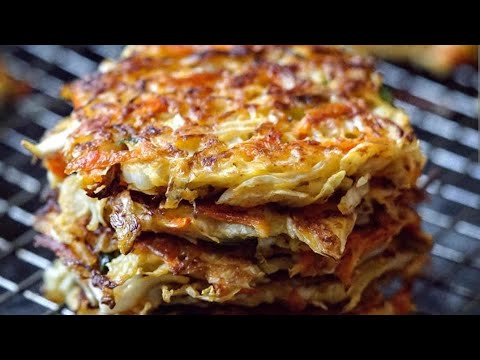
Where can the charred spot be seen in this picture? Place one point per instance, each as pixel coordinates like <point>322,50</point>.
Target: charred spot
<point>210,53</point>
<point>330,240</point>
<point>108,300</point>
<point>196,94</point>
<point>193,91</point>
<point>141,84</point>
<point>85,146</point>
<point>243,80</point>
<point>330,213</point>
<point>123,130</point>
<point>276,70</point>
<point>377,127</point>
<point>311,99</point>
<point>389,253</point>
<point>145,199</point>
<point>382,182</point>
<point>209,160</point>
<point>311,142</point>
<point>293,68</point>
<point>133,226</point>
<point>274,89</point>
<point>174,151</point>
<point>101,281</point>
<point>258,60</point>
<point>351,86</point>
<point>182,257</point>
<point>111,183</point>
<point>280,105</point>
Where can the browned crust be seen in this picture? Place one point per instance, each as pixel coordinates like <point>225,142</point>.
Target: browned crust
<point>119,105</point>
<point>225,269</point>
<point>232,214</point>
<point>308,219</point>
<point>230,265</point>
<point>441,60</point>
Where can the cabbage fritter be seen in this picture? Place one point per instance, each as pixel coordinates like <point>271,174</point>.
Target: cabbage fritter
<point>231,175</point>
<point>256,124</point>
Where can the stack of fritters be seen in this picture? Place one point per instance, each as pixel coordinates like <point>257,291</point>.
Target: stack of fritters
<point>233,176</point>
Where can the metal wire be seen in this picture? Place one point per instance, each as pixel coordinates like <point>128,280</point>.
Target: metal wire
<point>444,114</point>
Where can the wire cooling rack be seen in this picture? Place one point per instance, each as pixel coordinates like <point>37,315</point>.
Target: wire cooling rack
<point>445,116</point>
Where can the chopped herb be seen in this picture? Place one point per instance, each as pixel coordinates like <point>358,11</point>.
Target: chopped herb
<point>386,95</point>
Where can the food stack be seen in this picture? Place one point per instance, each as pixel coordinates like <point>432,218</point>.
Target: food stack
<point>232,176</point>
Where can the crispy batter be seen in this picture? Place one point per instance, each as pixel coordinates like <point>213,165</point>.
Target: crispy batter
<point>322,227</point>
<point>373,239</point>
<point>272,254</point>
<point>225,270</point>
<point>237,274</point>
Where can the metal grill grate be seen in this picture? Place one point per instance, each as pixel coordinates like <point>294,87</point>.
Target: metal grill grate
<point>445,116</point>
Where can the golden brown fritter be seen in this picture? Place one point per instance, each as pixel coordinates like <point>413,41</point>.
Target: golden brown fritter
<point>165,270</point>
<point>237,175</point>
<point>260,124</point>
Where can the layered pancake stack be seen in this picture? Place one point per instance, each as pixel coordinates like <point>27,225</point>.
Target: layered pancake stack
<point>244,176</point>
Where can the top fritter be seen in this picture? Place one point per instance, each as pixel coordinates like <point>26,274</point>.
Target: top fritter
<point>247,125</point>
